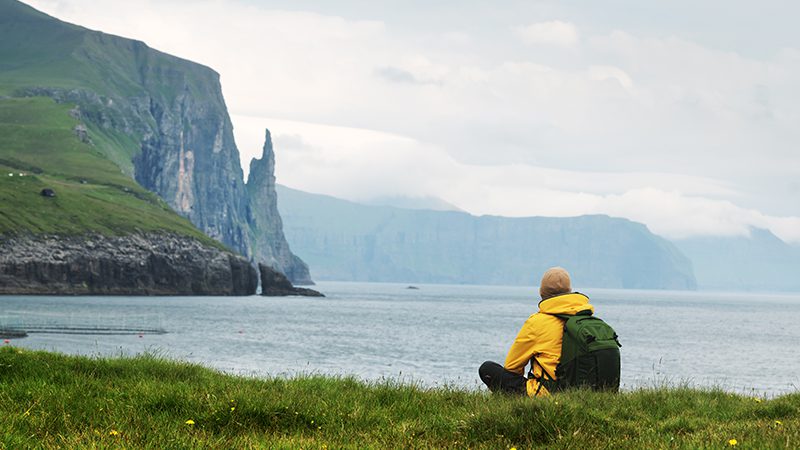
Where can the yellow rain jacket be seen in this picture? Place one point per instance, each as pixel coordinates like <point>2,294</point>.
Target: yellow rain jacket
<point>540,337</point>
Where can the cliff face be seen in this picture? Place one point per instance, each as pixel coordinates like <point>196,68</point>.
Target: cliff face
<point>348,241</point>
<point>162,119</point>
<point>145,264</point>
<point>266,227</point>
<point>189,158</point>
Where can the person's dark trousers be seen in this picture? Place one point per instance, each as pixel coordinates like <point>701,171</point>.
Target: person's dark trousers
<point>498,379</point>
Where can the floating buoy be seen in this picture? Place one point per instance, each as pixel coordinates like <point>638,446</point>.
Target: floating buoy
<point>241,332</point>
<point>141,335</point>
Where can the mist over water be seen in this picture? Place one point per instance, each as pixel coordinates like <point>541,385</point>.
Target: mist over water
<point>436,335</point>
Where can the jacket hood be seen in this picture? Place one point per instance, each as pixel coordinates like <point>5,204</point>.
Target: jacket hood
<point>566,304</point>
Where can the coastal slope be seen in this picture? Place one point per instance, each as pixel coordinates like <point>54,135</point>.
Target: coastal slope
<point>158,119</point>
<point>72,223</point>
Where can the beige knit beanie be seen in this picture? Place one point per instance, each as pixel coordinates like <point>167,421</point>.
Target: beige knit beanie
<point>554,282</point>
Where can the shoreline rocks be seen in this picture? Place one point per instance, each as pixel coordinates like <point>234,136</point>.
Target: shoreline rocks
<point>138,264</point>
<point>275,284</point>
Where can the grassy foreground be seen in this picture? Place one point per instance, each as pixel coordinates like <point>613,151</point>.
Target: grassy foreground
<point>50,400</point>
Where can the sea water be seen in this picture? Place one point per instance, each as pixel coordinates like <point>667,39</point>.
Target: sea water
<point>436,335</point>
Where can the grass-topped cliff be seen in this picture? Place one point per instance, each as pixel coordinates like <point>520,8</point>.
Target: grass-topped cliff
<point>38,139</point>
<point>92,177</point>
<point>42,55</point>
<point>101,232</point>
<point>55,401</point>
<point>160,119</point>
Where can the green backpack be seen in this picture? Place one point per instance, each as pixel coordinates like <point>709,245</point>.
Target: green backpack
<point>589,355</point>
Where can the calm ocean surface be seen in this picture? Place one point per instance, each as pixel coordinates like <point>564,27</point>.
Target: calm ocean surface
<point>437,335</point>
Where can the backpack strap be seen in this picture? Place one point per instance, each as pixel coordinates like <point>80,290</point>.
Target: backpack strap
<point>545,379</point>
<point>585,312</point>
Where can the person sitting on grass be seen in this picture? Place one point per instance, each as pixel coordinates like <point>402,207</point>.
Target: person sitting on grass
<point>539,341</point>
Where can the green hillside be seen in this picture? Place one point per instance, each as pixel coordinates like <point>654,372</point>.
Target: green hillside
<point>31,51</point>
<point>41,55</point>
<point>39,141</point>
<point>42,59</point>
<point>40,50</point>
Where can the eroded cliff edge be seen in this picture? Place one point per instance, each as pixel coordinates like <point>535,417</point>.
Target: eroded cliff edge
<point>137,264</point>
<point>161,119</point>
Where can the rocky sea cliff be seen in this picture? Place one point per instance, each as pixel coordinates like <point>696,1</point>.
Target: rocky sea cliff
<point>138,264</point>
<point>162,121</point>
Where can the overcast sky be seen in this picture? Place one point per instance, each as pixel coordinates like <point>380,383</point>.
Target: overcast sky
<point>682,115</point>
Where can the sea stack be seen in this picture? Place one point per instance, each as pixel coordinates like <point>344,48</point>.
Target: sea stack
<point>275,284</point>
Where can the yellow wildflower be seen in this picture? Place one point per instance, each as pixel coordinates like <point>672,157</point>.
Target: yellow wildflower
<point>113,433</point>
<point>233,408</point>
<point>190,422</point>
<point>778,423</point>
<point>757,400</point>
<point>733,442</point>
<point>513,448</point>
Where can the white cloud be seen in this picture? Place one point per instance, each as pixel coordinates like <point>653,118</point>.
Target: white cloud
<point>457,38</point>
<point>675,215</point>
<point>554,32</point>
<point>619,123</point>
<point>602,73</point>
<point>317,158</point>
<point>350,163</point>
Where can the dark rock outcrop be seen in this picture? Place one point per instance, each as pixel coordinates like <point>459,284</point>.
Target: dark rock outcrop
<point>275,284</point>
<point>144,264</point>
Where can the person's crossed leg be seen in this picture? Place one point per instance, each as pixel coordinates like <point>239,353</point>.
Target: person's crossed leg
<point>498,379</point>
